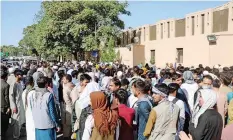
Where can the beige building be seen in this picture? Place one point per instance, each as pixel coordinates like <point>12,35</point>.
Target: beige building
<point>183,40</point>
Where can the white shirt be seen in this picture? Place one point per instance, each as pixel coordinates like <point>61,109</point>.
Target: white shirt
<point>105,82</point>
<point>70,71</point>
<point>89,124</point>
<point>189,90</point>
<point>180,104</point>
<point>132,100</point>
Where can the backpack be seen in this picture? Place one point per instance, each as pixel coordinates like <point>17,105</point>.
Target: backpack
<point>175,100</point>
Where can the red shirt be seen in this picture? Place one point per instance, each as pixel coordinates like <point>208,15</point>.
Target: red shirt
<point>126,127</point>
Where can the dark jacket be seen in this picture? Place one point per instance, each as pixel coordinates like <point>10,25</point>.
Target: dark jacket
<point>5,103</point>
<point>209,126</point>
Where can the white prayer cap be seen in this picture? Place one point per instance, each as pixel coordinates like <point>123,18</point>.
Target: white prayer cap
<point>216,66</point>
<point>90,63</point>
<point>192,68</point>
<point>205,73</point>
<point>24,65</point>
<point>119,74</point>
<point>11,70</point>
<point>16,67</point>
<point>42,71</point>
<point>55,67</point>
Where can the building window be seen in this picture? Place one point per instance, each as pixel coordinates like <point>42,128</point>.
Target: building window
<point>220,20</point>
<point>168,29</point>
<point>161,30</point>
<point>180,27</point>
<point>127,36</point>
<point>152,56</point>
<point>203,23</point>
<point>179,57</point>
<point>193,25</point>
<point>232,13</point>
<point>153,32</point>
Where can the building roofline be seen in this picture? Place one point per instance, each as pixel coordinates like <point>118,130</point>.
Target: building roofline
<point>186,15</point>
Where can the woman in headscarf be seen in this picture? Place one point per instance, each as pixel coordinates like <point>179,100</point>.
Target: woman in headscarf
<point>102,124</point>
<point>206,122</point>
<point>189,87</point>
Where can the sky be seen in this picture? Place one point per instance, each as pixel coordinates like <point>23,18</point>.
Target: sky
<point>16,15</point>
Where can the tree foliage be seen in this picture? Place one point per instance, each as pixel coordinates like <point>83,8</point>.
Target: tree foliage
<point>72,26</point>
<point>10,50</point>
<point>109,54</point>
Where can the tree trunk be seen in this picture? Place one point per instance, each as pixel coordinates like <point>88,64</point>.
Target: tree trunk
<point>75,56</point>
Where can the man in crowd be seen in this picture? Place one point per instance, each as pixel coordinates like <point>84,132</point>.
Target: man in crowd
<point>18,114</point>
<point>173,89</point>
<point>44,112</point>
<point>67,106</point>
<point>5,103</point>
<point>163,118</point>
<point>147,122</point>
<point>143,108</point>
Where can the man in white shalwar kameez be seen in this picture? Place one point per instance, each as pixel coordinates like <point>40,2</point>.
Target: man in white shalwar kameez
<point>26,95</point>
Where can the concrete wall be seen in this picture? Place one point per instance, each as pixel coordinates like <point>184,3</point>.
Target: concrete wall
<point>196,48</point>
<point>138,54</point>
<point>126,56</point>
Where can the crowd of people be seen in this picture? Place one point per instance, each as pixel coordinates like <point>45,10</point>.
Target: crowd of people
<point>86,101</point>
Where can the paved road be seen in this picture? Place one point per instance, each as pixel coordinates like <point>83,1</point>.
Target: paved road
<point>9,135</point>
<point>10,131</point>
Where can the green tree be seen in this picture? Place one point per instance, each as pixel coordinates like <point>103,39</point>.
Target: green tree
<point>74,26</point>
<point>109,54</point>
<point>11,50</point>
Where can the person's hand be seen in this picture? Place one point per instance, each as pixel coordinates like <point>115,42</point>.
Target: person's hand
<point>58,129</point>
<point>15,110</point>
<point>8,111</point>
<point>183,136</point>
<point>50,89</point>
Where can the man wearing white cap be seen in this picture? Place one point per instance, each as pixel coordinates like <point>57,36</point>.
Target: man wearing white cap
<point>55,67</point>
<point>119,75</point>
<point>11,79</point>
